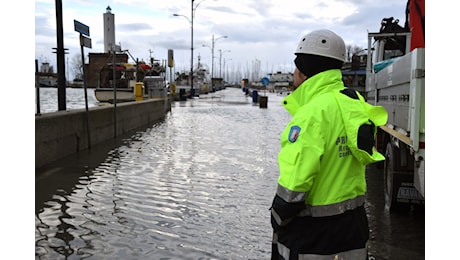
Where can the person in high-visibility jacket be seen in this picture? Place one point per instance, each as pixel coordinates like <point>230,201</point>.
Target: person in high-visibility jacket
<point>318,210</point>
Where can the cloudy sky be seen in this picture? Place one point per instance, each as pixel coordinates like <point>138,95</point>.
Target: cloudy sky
<point>259,31</point>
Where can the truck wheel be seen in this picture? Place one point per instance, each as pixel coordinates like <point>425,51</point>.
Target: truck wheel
<point>398,179</point>
<point>388,170</point>
<point>392,178</point>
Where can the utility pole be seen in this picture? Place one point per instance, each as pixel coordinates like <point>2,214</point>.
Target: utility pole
<point>60,51</point>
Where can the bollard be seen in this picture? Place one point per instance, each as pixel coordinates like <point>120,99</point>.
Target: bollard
<point>263,100</point>
<point>254,96</point>
<point>182,96</point>
<point>173,89</point>
<point>192,92</point>
<point>138,91</point>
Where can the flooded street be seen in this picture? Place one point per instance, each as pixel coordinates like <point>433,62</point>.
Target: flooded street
<point>197,185</point>
<point>395,235</point>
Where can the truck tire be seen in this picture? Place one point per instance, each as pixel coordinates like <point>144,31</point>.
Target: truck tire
<point>388,177</point>
<point>393,176</point>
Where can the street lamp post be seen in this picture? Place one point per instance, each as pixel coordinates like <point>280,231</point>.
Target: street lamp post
<point>191,50</point>
<point>192,91</point>
<point>225,69</point>
<point>192,14</point>
<point>212,67</point>
<point>212,56</point>
<point>220,61</point>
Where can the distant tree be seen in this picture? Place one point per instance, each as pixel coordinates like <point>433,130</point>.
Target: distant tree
<point>77,66</point>
<point>352,50</point>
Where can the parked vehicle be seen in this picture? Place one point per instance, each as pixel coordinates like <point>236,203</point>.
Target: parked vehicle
<point>395,79</point>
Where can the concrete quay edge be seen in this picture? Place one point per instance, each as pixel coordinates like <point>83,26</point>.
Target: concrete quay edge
<point>62,133</point>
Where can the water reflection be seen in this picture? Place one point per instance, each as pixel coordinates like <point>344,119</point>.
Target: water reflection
<point>395,235</point>
<point>75,99</point>
<point>196,185</point>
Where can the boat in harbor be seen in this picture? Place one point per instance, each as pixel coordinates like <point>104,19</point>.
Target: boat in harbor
<point>47,80</point>
<point>280,81</point>
<point>182,89</point>
<point>46,77</point>
<point>128,82</point>
<point>108,95</point>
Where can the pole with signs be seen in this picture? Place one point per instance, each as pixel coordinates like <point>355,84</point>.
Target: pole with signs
<point>84,42</point>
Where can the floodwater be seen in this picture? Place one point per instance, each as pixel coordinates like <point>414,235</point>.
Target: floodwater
<point>75,99</point>
<point>197,185</point>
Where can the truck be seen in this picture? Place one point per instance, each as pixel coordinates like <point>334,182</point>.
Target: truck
<point>395,79</point>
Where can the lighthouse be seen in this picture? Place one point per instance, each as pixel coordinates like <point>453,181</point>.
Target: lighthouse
<point>109,31</point>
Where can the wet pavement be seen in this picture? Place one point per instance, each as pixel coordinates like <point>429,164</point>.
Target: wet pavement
<point>197,185</point>
<point>393,235</point>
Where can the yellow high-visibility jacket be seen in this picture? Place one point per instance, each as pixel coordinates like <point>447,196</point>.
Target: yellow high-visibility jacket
<point>324,150</point>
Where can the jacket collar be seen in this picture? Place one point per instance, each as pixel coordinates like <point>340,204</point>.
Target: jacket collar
<point>320,83</point>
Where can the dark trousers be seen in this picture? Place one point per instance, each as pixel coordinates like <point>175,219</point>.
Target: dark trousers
<point>324,235</point>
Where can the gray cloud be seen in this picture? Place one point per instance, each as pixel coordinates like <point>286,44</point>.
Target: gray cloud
<point>43,27</point>
<point>130,27</point>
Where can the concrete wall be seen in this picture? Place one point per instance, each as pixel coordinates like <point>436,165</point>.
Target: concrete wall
<point>62,133</point>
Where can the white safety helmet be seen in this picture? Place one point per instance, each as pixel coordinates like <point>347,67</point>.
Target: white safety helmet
<point>322,43</point>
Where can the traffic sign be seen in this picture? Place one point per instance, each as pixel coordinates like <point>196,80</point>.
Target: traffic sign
<point>81,28</point>
<point>265,81</point>
<point>85,41</point>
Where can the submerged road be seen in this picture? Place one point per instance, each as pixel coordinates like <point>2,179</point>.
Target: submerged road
<point>197,185</point>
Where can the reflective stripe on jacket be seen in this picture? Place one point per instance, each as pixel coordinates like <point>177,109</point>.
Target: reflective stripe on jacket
<point>354,254</point>
<point>318,207</point>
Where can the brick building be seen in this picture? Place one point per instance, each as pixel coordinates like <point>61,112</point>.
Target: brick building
<point>98,72</point>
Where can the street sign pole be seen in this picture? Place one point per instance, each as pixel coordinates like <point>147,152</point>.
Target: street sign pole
<point>84,42</point>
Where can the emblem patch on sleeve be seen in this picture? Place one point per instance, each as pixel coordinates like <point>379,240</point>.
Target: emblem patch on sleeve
<point>293,133</point>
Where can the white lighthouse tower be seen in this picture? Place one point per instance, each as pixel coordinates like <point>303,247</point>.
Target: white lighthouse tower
<point>109,31</point>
